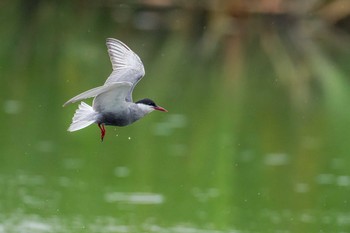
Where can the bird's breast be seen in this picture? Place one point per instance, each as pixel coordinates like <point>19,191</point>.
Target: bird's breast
<point>114,119</point>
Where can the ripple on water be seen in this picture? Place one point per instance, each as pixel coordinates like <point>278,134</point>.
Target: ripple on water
<point>205,195</point>
<point>302,188</point>
<point>121,171</point>
<point>35,226</point>
<point>22,222</point>
<point>276,159</point>
<point>141,198</point>
<point>12,106</point>
<point>27,223</point>
<point>325,179</point>
<point>343,180</point>
<point>330,179</point>
<point>72,163</point>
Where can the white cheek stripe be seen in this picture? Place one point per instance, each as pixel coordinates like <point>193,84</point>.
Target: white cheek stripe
<point>145,108</point>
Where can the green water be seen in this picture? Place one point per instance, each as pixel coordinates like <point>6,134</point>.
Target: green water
<point>256,138</point>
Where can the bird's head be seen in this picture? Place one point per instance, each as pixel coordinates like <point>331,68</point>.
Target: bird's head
<point>148,105</point>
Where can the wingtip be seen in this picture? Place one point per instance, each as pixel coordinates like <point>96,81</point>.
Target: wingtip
<point>110,40</point>
<point>65,104</point>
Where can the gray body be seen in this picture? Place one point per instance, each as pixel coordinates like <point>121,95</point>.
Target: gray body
<point>123,117</point>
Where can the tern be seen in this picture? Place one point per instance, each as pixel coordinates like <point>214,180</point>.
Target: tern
<point>112,103</point>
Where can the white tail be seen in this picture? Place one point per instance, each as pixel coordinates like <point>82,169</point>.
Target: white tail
<point>83,117</point>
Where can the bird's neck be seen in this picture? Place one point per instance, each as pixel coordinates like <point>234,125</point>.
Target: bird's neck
<point>141,109</point>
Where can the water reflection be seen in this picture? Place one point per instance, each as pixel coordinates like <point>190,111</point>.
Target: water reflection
<point>33,192</point>
<point>21,222</point>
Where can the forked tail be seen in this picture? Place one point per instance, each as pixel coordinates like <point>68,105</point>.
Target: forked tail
<point>84,116</point>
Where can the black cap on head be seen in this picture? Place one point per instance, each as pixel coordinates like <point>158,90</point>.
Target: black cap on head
<point>147,101</point>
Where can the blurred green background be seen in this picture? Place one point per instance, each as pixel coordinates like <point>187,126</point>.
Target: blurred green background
<point>256,138</point>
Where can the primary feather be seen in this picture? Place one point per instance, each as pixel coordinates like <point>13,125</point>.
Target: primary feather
<point>127,66</point>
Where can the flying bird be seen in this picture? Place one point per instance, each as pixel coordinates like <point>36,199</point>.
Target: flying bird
<point>113,104</point>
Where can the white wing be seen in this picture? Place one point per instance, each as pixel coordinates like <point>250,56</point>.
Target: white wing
<point>112,98</point>
<point>127,66</point>
<point>98,91</point>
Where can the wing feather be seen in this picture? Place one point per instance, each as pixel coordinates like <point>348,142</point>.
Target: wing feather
<point>112,98</point>
<point>127,66</point>
<point>98,91</point>
<point>128,70</point>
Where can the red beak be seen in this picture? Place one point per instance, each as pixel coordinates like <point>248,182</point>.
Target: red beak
<point>160,109</point>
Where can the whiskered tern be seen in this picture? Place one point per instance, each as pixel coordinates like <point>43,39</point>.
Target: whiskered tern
<point>113,104</point>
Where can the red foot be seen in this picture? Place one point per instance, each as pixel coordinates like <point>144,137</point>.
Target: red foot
<point>103,131</point>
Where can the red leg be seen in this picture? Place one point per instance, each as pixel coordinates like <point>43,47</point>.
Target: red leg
<point>103,130</point>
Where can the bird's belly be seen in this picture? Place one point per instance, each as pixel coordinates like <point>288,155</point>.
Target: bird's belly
<point>113,119</point>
